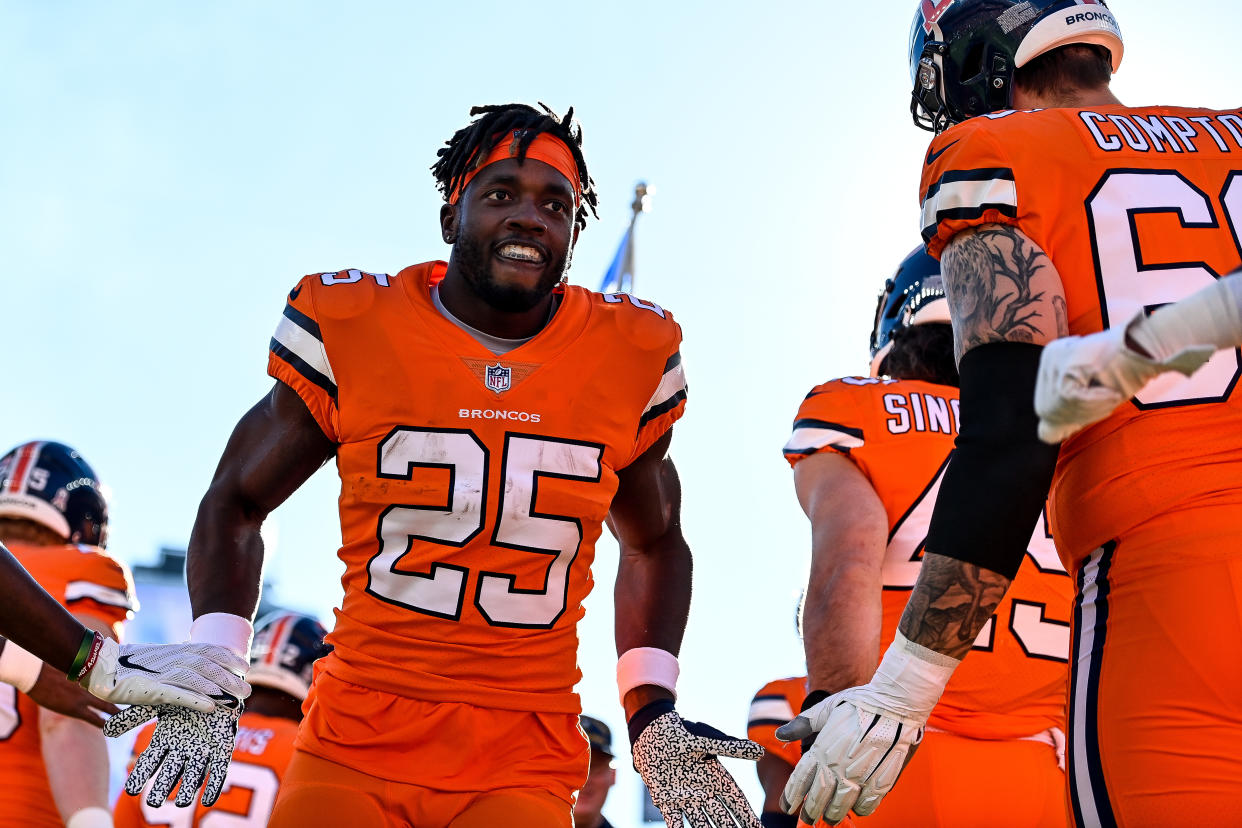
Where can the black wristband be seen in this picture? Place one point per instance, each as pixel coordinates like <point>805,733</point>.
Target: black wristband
<point>775,819</point>
<point>647,714</point>
<point>813,698</point>
<point>998,477</point>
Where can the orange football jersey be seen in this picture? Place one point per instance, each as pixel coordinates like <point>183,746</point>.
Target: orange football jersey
<point>900,433</point>
<point>264,748</point>
<point>90,584</point>
<point>776,703</point>
<point>473,486</point>
<point>1141,208</point>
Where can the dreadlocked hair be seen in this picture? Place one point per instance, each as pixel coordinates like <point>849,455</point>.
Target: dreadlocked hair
<point>472,143</point>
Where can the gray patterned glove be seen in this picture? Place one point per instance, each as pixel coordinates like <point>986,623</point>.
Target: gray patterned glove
<point>677,761</point>
<point>186,746</point>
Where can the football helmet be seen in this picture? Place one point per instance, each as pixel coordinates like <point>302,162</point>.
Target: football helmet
<point>913,295</point>
<point>286,647</point>
<point>50,484</point>
<point>963,53</point>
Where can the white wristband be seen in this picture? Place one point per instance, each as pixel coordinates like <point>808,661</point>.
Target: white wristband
<point>90,818</point>
<point>1210,316</point>
<point>224,630</point>
<point>18,667</point>
<point>647,665</point>
<point>911,677</point>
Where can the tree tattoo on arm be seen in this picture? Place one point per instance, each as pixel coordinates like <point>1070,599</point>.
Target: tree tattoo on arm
<point>1001,288</point>
<point>951,602</point>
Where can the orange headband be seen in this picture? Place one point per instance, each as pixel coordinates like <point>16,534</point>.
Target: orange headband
<point>546,148</point>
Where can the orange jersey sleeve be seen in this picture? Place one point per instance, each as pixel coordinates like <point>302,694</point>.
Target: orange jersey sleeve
<point>87,581</point>
<point>1135,207</point>
<point>776,703</point>
<point>900,434</point>
<point>264,748</point>
<point>298,357</point>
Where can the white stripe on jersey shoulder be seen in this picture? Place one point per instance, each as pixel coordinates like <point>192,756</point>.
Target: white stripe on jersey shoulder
<point>807,438</point>
<point>672,388</point>
<point>969,196</point>
<point>771,709</point>
<point>77,590</point>
<point>305,345</point>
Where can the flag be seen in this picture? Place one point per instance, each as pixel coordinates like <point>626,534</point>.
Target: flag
<point>619,278</point>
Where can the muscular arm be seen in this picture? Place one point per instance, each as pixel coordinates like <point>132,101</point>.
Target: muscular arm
<point>1001,287</point>
<point>34,620</point>
<point>75,754</point>
<point>842,615</point>
<point>273,450</point>
<point>652,593</point>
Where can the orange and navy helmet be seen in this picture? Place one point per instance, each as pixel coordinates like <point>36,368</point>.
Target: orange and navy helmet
<point>286,647</point>
<point>50,484</point>
<point>913,295</point>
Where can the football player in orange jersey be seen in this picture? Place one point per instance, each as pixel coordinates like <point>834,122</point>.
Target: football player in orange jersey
<point>286,646</point>
<point>1075,215</point>
<point>486,419</point>
<point>868,457</point>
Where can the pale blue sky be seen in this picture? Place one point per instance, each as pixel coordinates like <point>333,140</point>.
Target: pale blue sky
<point>169,170</point>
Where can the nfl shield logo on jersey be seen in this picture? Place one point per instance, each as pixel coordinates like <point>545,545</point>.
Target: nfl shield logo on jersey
<point>498,378</point>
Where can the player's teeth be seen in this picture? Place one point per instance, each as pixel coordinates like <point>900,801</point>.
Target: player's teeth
<point>521,252</point>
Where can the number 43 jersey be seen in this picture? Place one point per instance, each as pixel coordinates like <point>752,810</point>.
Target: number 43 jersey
<point>899,434</point>
<point>1136,208</point>
<point>473,487</point>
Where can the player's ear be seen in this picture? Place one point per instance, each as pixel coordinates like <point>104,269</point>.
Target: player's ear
<point>448,223</point>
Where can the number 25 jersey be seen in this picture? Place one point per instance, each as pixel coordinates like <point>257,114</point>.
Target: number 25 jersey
<point>1136,208</point>
<point>899,434</point>
<point>473,487</point>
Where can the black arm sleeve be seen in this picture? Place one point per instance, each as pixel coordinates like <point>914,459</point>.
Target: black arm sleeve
<point>998,478</point>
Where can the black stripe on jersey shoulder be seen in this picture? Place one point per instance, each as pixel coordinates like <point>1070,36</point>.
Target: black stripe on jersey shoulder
<point>673,362</point>
<point>303,321</point>
<point>666,406</point>
<point>120,603</point>
<point>767,722</point>
<point>771,697</point>
<point>980,174</point>
<point>300,365</point>
<point>807,452</point>
<point>808,422</point>
<point>967,214</point>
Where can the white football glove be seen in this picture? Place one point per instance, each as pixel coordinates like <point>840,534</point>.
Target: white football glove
<point>192,675</point>
<point>186,746</point>
<point>866,735</point>
<point>677,761</point>
<point>1082,379</point>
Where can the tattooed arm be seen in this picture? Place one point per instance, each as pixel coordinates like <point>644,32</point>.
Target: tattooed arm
<point>1001,288</point>
<point>950,604</point>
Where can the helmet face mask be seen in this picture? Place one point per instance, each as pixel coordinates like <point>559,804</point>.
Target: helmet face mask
<point>963,53</point>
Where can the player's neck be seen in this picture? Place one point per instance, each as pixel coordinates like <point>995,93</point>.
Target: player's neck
<point>1065,98</point>
<point>461,301</point>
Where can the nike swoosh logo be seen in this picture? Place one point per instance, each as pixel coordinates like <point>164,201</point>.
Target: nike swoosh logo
<point>932,156</point>
<point>225,699</point>
<point>293,294</point>
<point>124,661</point>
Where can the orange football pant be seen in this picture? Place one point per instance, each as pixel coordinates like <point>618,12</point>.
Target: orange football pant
<point>318,792</point>
<point>1156,690</point>
<point>975,783</point>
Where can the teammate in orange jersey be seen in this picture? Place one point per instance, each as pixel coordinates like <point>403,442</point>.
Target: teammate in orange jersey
<point>286,646</point>
<point>486,420</point>
<point>54,520</point>
<point>1075,218</point>
<point>868,457</point>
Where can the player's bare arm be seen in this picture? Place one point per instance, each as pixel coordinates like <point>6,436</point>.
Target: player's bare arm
<point>652,593</point>
<point>842,614</point>
<point>274,449</point>
<point>32,619</point>
<point>1002,288</point>
<point>951,602</point>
